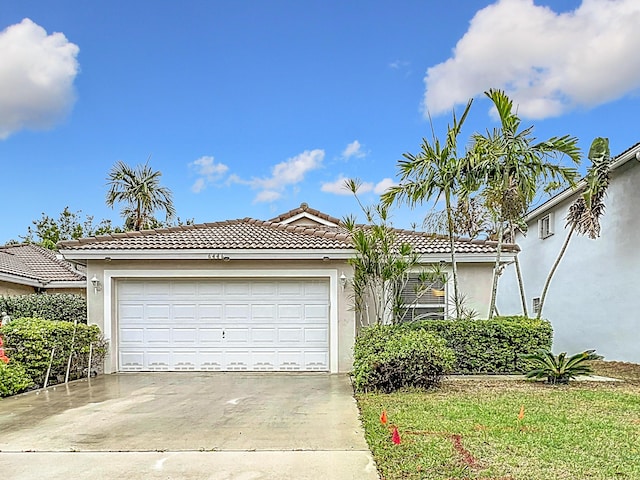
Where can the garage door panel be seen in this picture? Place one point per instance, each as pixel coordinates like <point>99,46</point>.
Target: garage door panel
<point>184,289</point>
<point>237,335</point>
<point>316,312</point>
<point>155,336</point>
<point>264,335</point>
<point>132,336</point>
<point>288,313</point>
<point>210,313</point>
<point>318,336</point>
<point>158,289</point>
<point>316,289</point>
<point>238,313</point>
<point>209,289</point>
<point>290,335</point>
<point>185,336</point>
<point>209,336</point>
<point>237,289</point>
<point>263,312</point>
<point>132,361</point>
<point>160,311</point>
<point>188,311</point>
<point>131,311</point>
<point>223,325</point>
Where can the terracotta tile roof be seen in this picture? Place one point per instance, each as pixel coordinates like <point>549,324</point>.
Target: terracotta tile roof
<point>245,233</point>
<point>36,263</point>
<point>304,208</point>
<point>250,233</point>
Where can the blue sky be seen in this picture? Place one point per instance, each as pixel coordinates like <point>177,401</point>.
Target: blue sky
<point>250,108</point>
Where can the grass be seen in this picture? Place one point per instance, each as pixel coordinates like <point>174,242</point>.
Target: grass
<point>469,429</point>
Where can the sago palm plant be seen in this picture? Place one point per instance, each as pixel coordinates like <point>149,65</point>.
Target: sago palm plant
<point>559,368</point>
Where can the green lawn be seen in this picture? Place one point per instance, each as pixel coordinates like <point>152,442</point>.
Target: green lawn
<point>470,429</point>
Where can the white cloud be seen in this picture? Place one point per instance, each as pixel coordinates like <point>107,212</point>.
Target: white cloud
<point>354,149</point>
<point>36,77</point>
<point>337,187</point>
<point>267,196</point>
<point>383,185</point>
<point>399,64</point>
<point>284,174</point>
<point>208,171</point>
<point>547,62</point>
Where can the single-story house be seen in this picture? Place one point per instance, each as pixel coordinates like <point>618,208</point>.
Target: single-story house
<point>28,268</point>
<point>243,294</point>
<point>590,301</point>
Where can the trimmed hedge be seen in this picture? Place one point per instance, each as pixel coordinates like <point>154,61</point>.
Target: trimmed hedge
<point>388,358</point>
<point>29,342</point>
<point>491,346</point>
<point>56,306</point>
<point>13,379</point>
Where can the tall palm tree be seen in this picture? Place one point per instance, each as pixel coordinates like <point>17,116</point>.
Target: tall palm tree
<point>139,189</point>
<point>585,212</point>
<point>512,164</point>
<point>433,173</point>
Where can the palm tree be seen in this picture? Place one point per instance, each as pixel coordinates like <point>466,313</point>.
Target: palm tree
<point>511,163</point>
<point>139,189</point>
<point>585,212</point>
<point>433,173</point>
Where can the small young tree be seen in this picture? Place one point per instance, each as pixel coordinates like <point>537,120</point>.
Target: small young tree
<point>435,172</point>
<point>585,212</point>
<point>382,266</point>
<point>511,163</point>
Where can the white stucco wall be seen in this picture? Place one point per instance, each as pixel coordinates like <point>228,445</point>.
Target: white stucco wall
<point>342,338</point>
<point>593,298</point>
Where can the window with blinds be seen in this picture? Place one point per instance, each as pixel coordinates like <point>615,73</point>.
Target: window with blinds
<point>423,300</point>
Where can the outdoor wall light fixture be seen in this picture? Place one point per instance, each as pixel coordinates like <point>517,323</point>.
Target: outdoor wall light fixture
<point>96,284</point>
<point>343,280</point>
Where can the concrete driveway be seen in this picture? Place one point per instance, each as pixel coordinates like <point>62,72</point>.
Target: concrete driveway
<point>187,426</point>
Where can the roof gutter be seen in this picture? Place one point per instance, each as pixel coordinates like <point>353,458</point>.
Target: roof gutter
<point>631,154</point>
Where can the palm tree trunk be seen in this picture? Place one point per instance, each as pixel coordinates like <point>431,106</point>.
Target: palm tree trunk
<point>496,271</point>
<point>543,296</point>
<point>523,297</point>
<point>452,246</point>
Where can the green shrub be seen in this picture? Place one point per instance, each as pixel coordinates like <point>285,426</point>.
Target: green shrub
<point>560,369</point>
<point>388,358</point>
<point>13,379</point>
<point>57,306</point>
<point>492,346</point>
<point>29,341</point>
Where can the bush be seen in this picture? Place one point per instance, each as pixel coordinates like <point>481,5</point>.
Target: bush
<point>388,358</point>
<point>57,306</point>
<point>13,379</point>
<point>29,341</point>
<point>492,346</point>
<point>560,369</point>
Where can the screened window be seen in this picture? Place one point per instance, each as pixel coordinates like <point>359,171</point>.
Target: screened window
<point>424,300</point>
<point>545,226</point>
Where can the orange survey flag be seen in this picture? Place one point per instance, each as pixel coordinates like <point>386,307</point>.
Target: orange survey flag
<point>383,417</point>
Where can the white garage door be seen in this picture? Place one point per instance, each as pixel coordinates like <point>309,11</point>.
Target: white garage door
<point>223,325</point>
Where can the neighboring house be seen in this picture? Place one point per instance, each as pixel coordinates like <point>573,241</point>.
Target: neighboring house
<point>28,268</point>
<point>591,301</point>
<point>242,294</point>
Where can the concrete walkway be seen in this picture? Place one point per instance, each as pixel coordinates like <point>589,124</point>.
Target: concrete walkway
<point>187,426</point>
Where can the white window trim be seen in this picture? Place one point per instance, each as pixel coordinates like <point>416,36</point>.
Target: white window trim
<point>542,232</point>
<point>111,275</point>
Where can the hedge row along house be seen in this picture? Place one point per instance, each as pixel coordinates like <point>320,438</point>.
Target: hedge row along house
<point>247,294</point>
